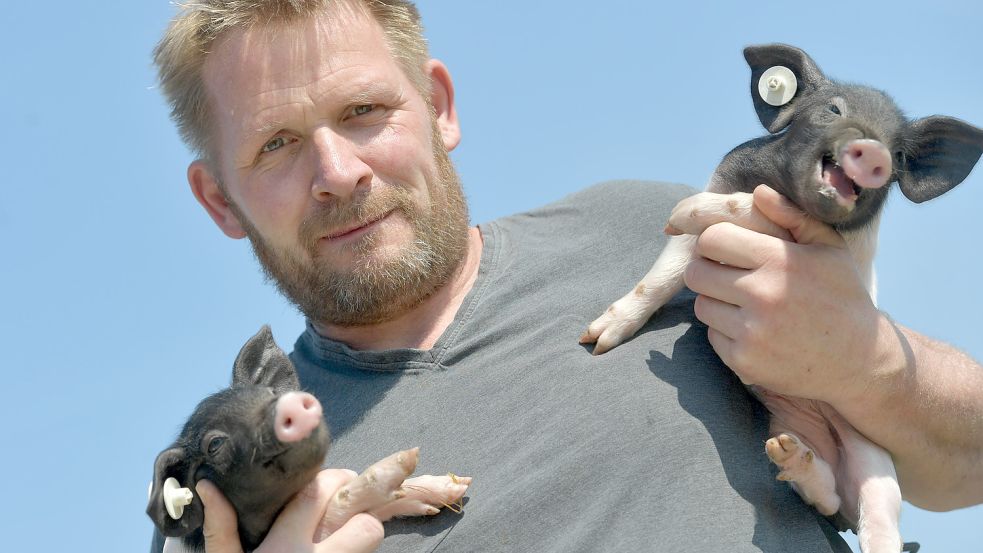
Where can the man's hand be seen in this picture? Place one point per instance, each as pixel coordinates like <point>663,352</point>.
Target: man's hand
<point>297,527</point>
<point>794,317</point>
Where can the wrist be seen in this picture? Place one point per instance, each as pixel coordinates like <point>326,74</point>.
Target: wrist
<point>884,376</point>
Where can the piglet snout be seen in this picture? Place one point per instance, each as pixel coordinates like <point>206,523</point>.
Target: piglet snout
<point>867,162</point>
<point>297,415</point>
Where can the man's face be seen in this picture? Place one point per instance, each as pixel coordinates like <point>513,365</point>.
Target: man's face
<point>335,167</point>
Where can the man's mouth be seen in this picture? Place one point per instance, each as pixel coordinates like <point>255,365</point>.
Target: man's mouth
<point>355,229</point>
<point>836,183</point>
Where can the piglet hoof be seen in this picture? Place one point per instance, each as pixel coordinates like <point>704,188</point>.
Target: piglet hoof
<point>786,449</point>
<point>426,495</point>
<point>618,323</point>
<point>810,476</point>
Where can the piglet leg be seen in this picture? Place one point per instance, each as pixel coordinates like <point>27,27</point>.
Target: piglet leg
<point>869,477</point>
<point>867,473</point>
<point>810,476</point>
<point>384,491</point>
<point>624,317</point>
<point>696,213</point>
<point>688,220</point>
<point>425,495</point>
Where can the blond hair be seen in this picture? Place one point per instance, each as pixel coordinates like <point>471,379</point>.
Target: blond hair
<point>180,55</point>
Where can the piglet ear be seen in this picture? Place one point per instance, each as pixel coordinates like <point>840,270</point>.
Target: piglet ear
<point>262,363</point>
<point>808,79</point>
<point>173,463</point>
<point>938,153</point>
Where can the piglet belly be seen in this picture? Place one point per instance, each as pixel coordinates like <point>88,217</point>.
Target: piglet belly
<point>804,419</point>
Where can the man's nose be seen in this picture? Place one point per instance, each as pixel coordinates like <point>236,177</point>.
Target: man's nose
<point>339,169</point>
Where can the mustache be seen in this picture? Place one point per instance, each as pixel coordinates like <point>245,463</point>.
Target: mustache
<point>331,218</point>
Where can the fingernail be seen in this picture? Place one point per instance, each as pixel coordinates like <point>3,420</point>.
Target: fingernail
<point>203,491</point>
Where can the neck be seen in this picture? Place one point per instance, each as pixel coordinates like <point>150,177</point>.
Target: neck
<point>421,326</point>
<point>862,243</point>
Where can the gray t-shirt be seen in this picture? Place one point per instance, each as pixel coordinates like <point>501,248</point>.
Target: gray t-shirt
<point>654,446</point>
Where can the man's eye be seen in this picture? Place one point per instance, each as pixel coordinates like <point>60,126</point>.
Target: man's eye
<point>274,144</point>
<point>363,109</point>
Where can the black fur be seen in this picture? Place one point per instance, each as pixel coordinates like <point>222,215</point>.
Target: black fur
<point>930,155</point>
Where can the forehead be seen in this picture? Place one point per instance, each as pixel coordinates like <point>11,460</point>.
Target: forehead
<point>228,409</point>
<point>866,100</point>
<point>332,54</point>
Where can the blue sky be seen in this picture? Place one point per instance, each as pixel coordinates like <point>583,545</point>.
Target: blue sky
<point>123,305</point>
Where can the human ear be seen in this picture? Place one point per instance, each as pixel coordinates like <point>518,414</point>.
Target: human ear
<point>209,194</point>
<point>442,98</point>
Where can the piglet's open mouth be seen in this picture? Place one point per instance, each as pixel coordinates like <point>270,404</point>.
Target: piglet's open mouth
<point>836,180</point>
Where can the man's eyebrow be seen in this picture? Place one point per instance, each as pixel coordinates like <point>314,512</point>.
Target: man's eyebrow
<point>373,91</point>
<point>361,93</point>
<point>252,131</point>
<point>266,127</point>
<point>368,92</point>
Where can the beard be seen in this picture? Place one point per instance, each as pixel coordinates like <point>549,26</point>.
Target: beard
<point>374,288</point>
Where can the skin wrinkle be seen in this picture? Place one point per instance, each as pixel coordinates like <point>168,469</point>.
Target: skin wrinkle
<point>224,72</point>
<point>363,91</point>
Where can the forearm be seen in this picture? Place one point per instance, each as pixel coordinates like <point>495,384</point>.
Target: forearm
<point>923,402</point>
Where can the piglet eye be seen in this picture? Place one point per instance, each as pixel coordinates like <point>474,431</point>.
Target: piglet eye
<point>215,445</point>
<point>834,109</point>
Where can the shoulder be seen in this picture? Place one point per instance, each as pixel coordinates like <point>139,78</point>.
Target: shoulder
<point>616,203</point>
<point>601,236</point>
<point>633,196</point>
<point>622,209</point>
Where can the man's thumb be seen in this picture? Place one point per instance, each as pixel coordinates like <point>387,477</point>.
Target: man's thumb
<point>804,228</point>
<point>220,528</point>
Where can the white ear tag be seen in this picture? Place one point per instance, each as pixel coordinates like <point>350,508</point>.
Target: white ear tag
<point>777,85</point>
<point>175,498</point>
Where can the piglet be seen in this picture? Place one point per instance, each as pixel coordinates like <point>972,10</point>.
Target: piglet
<point>834,149</point>
<point>261,441</point>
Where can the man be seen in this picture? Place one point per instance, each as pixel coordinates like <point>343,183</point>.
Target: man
<point>323,130</point>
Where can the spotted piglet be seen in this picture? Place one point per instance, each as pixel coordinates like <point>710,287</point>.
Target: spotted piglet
<point>833,149</point>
